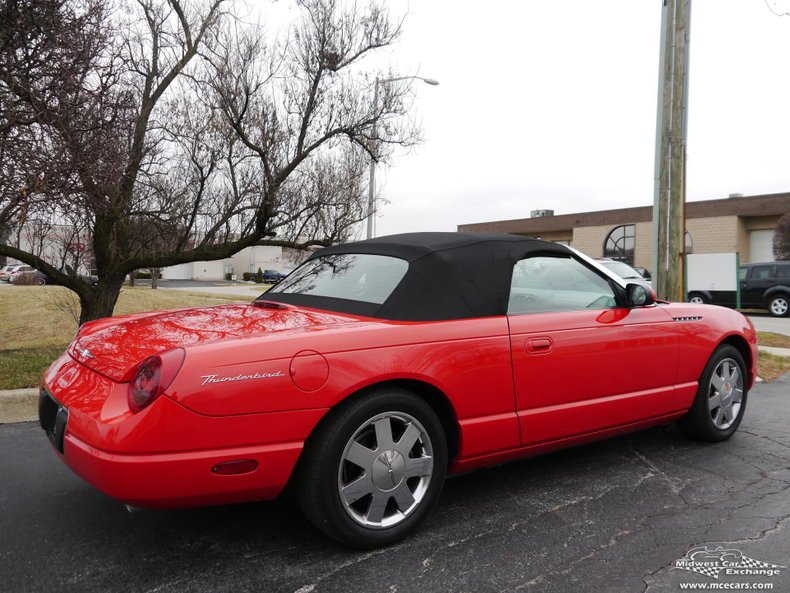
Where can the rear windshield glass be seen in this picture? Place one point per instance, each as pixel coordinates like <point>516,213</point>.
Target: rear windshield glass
<point>351,276</point>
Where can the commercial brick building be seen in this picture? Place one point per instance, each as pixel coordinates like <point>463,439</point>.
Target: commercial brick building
<point>742,224</point>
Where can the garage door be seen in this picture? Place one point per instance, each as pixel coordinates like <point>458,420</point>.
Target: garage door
<point>761,246</point>
<point>178,272</point>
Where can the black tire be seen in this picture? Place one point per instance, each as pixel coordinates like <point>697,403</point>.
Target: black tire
<point>325,468</point>
<point>41,281</point>
<point>696,297</point>
<point>705,420</point>
<point>779,305</point>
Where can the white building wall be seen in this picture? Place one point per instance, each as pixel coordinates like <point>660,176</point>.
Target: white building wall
<point>208,270</point>
<point>177,272</point>
<point>265,257</point>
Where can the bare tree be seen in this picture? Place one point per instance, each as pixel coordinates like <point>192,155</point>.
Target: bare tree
<point>782,238</point>
<point>177,133</point>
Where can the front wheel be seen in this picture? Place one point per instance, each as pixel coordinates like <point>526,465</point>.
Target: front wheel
<point>697,298</point>
<point>721,397</point>
<point>779,306</point>
<point>374,469</point>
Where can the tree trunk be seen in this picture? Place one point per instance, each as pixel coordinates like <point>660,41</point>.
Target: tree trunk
<point>132,277</point>
<point>100,301</point>
<point>154,277</point>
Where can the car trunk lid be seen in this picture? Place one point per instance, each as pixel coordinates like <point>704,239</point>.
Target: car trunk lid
<point>114,347</point>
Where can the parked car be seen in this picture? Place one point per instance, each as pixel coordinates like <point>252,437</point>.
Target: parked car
<point>40,278</point>
<point>764,285</point>
<point>273,276</point>
<point>623,270</point>
<point>378,367</point>
<point>32,277</point>
<point>5,273</point>
<point>19,270</point>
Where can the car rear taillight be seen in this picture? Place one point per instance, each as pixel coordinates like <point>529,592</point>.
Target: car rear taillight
<point>152,377</point>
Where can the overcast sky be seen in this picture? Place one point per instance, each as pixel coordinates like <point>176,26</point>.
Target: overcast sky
<point>553,105</point>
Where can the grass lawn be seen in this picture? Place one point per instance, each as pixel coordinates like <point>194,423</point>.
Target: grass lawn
<point>36,324</point>
<point>771,367</point>
<point>772,339</point>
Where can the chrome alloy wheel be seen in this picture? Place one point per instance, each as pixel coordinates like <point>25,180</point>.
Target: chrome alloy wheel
<point>697,300</point>
<point>385,470</point>
<point>725,394</point>
<point>779,306</point>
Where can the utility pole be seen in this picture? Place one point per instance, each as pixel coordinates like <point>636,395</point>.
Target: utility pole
<point>669,200</point>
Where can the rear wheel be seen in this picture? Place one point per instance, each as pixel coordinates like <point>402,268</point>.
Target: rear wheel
<point>721,397</point>
<point>779,305</point>
<point>41,281</point>
<point>697,298</point>
<point>374,469</point>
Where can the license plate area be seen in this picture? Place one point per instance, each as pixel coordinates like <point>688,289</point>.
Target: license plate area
<point>53,418</point>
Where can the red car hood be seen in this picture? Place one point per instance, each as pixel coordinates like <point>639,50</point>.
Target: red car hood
<point>115,345</point>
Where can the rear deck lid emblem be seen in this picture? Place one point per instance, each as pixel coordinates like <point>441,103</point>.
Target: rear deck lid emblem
<point>85,353</point>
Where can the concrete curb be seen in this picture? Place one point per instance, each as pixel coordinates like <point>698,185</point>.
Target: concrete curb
<point>18,405</point>
<point>775,351</point>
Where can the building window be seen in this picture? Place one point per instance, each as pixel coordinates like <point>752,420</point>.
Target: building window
<point>689,243</point>
<point>619,244</point>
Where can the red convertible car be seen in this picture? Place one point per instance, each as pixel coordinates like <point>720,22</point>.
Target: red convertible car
<point>378,367</point>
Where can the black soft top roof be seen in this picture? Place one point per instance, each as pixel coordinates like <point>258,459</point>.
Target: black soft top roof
<point>450,275</point>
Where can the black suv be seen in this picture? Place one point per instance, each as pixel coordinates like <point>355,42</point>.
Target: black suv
<point>763,286</point>
<point>766,286</point>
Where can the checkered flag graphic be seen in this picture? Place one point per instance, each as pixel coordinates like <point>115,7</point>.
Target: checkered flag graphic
<point>708,571</point>
<point>747,562</point>
<point>711,562</point>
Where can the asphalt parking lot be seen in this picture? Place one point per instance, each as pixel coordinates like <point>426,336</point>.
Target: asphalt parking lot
<point>608,517</point>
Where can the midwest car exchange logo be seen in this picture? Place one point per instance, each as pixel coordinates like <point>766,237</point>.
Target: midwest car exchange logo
<point>730,562</point>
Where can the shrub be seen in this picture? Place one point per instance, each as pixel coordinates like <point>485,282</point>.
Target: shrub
<point>259,277</point>
<point>247,276</point>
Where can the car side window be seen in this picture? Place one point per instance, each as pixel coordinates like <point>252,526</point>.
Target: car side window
<point>762,273</point>
<point>783,272</point>
<point>544,284</point>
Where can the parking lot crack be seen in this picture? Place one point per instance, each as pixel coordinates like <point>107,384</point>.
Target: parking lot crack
<point>310,587</point>
<point>767,438</point>
<point>675,484</point>
<point>778,525</point>
<point>570,567</point>
<point>428,560</point>
<point>653,573</point>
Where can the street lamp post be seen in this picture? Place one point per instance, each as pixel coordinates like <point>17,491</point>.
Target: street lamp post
<point>372,181</point>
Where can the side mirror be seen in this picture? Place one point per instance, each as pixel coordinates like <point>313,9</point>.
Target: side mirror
<point>639,295</point>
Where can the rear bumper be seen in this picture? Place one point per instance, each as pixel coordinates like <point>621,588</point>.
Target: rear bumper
<point>162,457</point>
<point>176,480</point>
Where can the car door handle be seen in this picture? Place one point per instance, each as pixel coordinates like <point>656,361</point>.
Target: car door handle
<point>539,345</point>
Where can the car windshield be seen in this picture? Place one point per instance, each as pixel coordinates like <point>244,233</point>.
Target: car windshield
<point>352,276</point>
<point>625,271</point>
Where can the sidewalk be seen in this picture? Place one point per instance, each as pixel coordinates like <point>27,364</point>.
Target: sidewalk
<point>21,405</point>
<point>18,405</point>
<point>776,351</point>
